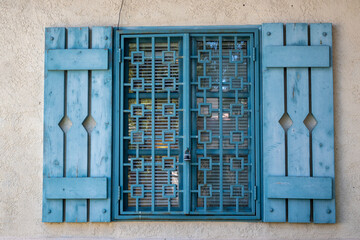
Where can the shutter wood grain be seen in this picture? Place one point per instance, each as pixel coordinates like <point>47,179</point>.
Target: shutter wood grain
<point>54,92</point>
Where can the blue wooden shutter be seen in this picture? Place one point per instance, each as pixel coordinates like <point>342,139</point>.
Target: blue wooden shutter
<point>77,124</point>
<point>298,125</point>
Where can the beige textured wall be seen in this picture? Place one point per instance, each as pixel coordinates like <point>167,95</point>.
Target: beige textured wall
<point>22,24</point>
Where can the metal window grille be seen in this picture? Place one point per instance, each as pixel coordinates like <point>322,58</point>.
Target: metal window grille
<point>187,126</point>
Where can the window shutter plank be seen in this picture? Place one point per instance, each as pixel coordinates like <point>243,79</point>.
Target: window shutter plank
<point>76,137</point>
<point>323,133</point>
<point>78,59</point>
<point>101,111</point>
<point>306,187</point>
<point>53,135</point>
<point>306,56</point>
<point>298,135</point>
<point>76,188</point>
<point>273,133</point>
<point>72,116</point>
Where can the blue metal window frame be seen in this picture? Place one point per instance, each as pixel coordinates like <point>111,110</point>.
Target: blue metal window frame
<point>254,32</point>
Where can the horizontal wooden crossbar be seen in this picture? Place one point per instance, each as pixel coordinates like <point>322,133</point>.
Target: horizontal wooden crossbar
<point>75,188</point>
<point>299,187</point>
<point>77,59</point>
<point>297,56</point>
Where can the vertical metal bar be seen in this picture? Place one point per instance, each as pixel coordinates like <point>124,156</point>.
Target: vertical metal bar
<point>220,125</point>
<point>186,121</point>
<point>193,171</point>
<point>115,148</point>
<point>250,47</point>
<point>258,118</point>
<point>121,116</point>
<point>153,124</point>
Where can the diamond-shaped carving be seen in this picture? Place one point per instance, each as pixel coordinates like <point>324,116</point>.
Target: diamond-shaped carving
<point>285,121</point>
<point>310,122</point>
<point>65,124</point>
<point>89,123</point>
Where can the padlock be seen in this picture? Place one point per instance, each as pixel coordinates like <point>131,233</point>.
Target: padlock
<point>187,156</point>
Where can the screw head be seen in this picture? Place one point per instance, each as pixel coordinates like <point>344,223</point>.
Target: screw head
<point>324,34</point>
<point>104,210</point>
<point>106,38</point>
<point>271,209</point>
<point>56,162</point>
<point>268,33</point>
<point>49,211</point>
<point>328,211</point>
<point>52,38</point>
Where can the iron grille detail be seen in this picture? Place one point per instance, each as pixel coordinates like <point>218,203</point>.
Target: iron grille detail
<point>160,74</point>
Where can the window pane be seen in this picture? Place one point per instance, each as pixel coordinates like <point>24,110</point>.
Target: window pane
<point>222,110</point>
<point>152,115</point>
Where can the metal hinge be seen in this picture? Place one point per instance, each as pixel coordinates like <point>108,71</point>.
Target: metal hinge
<point>254,54</point>
<point>119,193</point>
<point>120,58</point>
<point>255,192</point>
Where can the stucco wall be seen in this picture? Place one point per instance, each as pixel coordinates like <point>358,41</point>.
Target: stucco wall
<point>22,24</point>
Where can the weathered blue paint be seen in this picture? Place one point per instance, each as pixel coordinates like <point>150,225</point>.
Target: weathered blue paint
<point>76,59</point>
<point>298,146</point>
<point>323,133</point>
<point>54,88</point>
<point>300,103</point>
<point>101,111</point>
<point>299,188</point>
<point>296,56</point>
<point>274,210</point>
<point>70,92</point>
<point>76,155</point>
<point>75,188</point>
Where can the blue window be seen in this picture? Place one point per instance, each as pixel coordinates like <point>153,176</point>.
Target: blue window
<point>187,145</point>
<point>180,123</point>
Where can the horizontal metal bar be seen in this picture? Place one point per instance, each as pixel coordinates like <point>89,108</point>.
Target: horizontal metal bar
<point>299,187</point>
<point>75,188</point>
<point>77,59</point>
<point>225,95</point>
<point>157,95</point>
<point>297,56</point>
<point>225,151</point>
<point>160,152</point>
<point>239,30</point>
